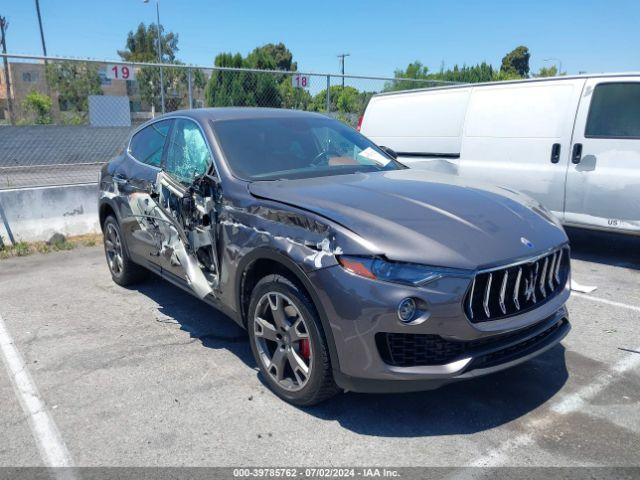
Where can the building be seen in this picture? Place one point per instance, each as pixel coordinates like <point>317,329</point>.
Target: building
<point>29,76</point>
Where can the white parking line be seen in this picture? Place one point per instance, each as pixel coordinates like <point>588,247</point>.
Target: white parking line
<point>568,404</point>
<point>605,301</point>
<point>52,449</point>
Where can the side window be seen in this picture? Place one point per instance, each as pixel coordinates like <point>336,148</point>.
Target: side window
<point>146,145</point>
<point>188,155</point>
<point>614,111</point>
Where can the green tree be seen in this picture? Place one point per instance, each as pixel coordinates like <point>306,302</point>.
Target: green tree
<point>74,82</point>
<point>415,74</point>
<point>39,105</point>
<point>280,56</point>
<point>142,45</point>
<point>414,71</point>
<point>551,71</point>
<point>516,62</point>
<point>234,88</point>
<point>175,86</point>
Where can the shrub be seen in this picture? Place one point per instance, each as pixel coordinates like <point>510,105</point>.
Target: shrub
<point>39,105</point>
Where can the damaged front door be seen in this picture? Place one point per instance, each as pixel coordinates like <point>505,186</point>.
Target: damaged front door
<point>186,192</point>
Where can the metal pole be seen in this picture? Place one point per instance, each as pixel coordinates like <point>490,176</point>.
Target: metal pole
<point>44,46</point>
<point>342,57</point>
<point>190,93</point>
<point>6,225</point>
<point>160,55</point>
<point>7,74</point>
<point>328,94</point>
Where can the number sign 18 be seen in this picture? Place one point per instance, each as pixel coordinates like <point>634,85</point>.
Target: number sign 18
<point>300,81</point>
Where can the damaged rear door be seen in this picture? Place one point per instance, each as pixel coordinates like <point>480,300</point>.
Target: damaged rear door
<point>186,195</point>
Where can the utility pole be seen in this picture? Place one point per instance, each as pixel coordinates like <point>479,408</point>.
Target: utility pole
<point>159,52</point>
<point>342,57</point>
<point>44,45</point>
<point>7,77</point>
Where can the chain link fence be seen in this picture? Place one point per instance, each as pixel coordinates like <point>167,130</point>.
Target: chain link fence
<point>62,118</point>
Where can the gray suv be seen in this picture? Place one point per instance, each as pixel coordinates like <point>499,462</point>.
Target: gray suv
<point>348,270</point>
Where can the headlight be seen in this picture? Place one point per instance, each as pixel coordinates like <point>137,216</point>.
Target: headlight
<point>397,272</point>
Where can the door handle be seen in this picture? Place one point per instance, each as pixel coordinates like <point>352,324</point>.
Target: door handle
<point>555,153</point>
<point>576,155</point>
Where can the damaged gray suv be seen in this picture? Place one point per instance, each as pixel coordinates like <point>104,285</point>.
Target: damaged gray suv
<point>348,270</point>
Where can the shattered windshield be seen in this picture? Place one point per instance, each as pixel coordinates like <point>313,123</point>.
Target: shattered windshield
<point>281,148</point>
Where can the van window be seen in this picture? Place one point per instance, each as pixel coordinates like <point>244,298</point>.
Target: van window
<point>146,145</point>
<point>614,111</point>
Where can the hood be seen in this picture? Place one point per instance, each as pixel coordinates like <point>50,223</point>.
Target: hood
<point>422,217</point>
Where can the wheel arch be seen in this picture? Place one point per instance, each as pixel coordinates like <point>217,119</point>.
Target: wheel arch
<point>104,210</point>
<point>266,261</point>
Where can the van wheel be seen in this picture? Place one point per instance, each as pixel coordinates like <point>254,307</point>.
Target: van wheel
<point>288,342</point>
<point>123,271</point>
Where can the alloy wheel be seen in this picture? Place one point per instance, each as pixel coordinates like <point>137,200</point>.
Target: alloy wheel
<point>113,249</point>
<point>282,340</point>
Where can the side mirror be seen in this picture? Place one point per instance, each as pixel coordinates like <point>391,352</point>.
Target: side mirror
<point>389,151</point>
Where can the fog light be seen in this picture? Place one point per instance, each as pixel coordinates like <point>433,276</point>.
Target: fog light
<point>406,310</point>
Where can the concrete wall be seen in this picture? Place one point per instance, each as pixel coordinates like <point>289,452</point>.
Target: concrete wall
<point>37,213</point>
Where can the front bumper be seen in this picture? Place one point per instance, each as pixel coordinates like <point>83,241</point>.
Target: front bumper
<point>359,310</point>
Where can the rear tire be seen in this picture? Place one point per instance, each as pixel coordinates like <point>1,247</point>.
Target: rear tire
<point>288,342</point>
<point>123,270</point>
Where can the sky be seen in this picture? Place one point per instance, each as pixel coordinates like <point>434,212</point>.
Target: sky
<point>381,35</point>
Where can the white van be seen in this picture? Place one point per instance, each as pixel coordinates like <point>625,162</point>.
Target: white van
<point>572,143</point>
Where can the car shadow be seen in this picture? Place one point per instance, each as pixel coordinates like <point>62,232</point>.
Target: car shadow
<point>201,321</point>
<point>459,408</point>
<point>604,247</point>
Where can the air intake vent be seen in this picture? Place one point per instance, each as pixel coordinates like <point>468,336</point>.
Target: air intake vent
<point>503,292</point>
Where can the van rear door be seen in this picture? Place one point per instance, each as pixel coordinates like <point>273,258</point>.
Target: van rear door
<point>424,126</point>
<point>603,177</point>
<point>518,136</point>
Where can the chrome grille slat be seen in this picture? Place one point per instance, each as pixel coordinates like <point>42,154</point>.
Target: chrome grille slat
<point>487,291</point>
<point>557,272</point>
<point>516,289</point>
<point>470,307</point>
<point>528,284</point>
<point>543,278</point>
<point>503,289</point>
<point>552,269</point>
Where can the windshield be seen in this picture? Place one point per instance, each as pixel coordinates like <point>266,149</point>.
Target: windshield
<point>297,147</point>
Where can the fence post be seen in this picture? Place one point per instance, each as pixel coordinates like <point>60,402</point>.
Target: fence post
<point>328,93</point>
<point>190,93</point>
<point>162,89</point>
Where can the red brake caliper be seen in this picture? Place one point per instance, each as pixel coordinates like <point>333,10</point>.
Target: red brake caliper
<point>305,348</point>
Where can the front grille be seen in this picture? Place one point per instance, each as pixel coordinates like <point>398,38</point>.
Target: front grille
<point>503,292</point>
<point>412,350</point>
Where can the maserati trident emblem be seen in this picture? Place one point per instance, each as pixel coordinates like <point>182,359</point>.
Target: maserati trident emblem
<point>530,288</point>
<point>526,242</point>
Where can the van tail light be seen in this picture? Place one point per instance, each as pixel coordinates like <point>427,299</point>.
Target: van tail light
<point>360,122</point>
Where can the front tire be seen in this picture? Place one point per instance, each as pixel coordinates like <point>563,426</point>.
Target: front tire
<point>123,270</point>
<point>288,342</point>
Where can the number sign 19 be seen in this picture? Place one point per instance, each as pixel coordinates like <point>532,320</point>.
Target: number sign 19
<point>120,72</point>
